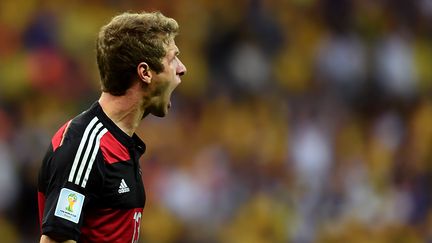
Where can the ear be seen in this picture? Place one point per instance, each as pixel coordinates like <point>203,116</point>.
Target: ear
<point>143,71</point>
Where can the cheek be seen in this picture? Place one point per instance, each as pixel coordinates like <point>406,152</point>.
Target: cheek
<point>159,90</point>
<point>164,88</point>
<point>173,69</point>
<point>174,66</point>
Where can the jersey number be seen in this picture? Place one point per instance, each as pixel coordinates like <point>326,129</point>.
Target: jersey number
<point>137,221</point>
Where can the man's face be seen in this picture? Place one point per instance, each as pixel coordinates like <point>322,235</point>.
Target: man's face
<point>166,81</point>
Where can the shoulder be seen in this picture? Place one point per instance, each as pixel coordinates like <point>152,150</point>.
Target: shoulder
<point>57,139</point>
<point>90,133</point>
<point>80,129</point>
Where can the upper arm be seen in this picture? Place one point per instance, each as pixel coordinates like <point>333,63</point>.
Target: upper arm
<point>65,194</point>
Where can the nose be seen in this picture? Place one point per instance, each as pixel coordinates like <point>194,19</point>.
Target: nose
<point>181,69</point>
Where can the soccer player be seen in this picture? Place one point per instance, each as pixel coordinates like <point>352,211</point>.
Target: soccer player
<point>90,187</point>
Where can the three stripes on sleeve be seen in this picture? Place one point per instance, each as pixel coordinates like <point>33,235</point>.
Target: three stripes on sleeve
<point>86,153</point>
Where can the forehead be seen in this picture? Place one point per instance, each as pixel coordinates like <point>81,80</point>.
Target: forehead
<point>171,47</point>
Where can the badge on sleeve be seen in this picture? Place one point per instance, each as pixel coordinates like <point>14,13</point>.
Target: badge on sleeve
<point>69,205</point>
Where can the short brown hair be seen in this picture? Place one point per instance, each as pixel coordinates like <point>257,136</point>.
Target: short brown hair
<point>127,40</point>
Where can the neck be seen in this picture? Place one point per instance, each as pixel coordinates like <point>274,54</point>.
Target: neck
<point>125,111</point>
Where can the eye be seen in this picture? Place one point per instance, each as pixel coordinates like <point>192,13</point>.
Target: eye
<point>174,60</point>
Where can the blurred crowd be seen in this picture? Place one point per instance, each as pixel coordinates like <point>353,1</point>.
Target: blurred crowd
<point>298,120</point>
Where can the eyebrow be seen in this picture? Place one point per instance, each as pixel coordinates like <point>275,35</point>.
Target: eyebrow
<point>175,51</point>
<point>175,54</point>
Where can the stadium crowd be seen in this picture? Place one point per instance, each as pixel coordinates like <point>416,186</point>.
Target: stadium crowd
<point>298,121</point>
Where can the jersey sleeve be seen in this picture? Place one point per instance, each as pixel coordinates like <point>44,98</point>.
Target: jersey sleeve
<point>69,179</point>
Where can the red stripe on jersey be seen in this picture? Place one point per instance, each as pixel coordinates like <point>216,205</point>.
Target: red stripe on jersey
<point>58,136</point>
<point>111,225</point>
<point>113,151</point>
<point>41,205</point>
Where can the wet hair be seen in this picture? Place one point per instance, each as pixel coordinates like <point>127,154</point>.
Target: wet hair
<point>127,40</point>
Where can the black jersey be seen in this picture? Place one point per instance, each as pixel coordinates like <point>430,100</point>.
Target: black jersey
<point>90,187</point>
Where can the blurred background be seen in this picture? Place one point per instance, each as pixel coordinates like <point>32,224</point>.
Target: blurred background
<point>298,120</point>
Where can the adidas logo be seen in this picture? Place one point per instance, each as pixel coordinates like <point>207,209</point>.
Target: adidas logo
<point>123,187</point>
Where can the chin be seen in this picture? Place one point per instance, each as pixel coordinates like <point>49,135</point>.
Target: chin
<point>162,112</point>
<point>159,114</point>
<point>160,109</point>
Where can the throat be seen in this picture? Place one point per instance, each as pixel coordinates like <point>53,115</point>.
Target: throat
<point>125,114</point>
<point>127,125</point>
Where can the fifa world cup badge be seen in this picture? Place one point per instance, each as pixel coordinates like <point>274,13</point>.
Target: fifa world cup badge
<point>69,205</point>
